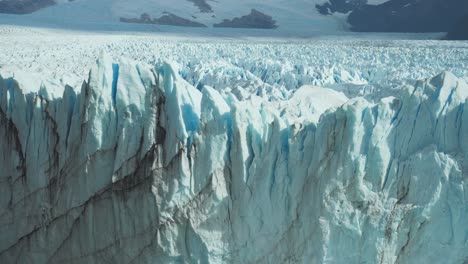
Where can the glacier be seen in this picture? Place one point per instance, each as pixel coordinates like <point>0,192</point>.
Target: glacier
<point>148,164</point>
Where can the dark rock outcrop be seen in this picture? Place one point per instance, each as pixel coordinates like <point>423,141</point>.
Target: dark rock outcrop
<point>202,5</point>
<point>340,6</point>
<point>255,19</point>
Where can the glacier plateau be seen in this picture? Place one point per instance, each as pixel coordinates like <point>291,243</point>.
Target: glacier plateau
<point>137,165</point>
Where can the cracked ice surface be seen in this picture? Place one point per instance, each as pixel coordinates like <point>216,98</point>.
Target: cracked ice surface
<point>268,68</point>
<point>136,162</point>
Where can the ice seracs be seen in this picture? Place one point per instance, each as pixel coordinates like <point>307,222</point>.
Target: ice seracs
<point>308,103</point>
<point>138,165</point>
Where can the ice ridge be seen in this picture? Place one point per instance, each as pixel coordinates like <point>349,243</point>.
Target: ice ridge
<point>141,166</point>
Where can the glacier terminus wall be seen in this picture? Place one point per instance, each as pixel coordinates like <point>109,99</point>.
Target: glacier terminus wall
<point>139,166</point>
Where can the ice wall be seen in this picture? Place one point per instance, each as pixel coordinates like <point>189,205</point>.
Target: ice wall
<point>141,167</point>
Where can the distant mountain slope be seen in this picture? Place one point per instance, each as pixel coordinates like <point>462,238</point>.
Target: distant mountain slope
<point>23,6</point>
<point>291,17</point>
<point>408,16</point>
<point>339,6</point>
<point>398,15</point>
<point>460,31</point>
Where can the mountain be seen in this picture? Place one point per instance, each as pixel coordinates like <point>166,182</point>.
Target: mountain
<point>292,17</point>
<point>295,16</point>
<point>339,6</point>
<point>459,31</point>
<point>408,16</point>
<point>398,15</point>
<point>23,6</point>
<point>139,166</point>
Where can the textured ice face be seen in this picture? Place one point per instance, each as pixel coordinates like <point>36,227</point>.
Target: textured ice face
<point>140,166</point>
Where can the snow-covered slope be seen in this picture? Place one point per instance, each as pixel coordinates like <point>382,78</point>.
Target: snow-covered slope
<point>280,17</point>
<point>23,6</point>
<point>136,162</point>
<point>292,17</point>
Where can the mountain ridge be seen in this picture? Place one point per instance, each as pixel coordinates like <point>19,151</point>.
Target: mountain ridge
<point>300,16</point>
